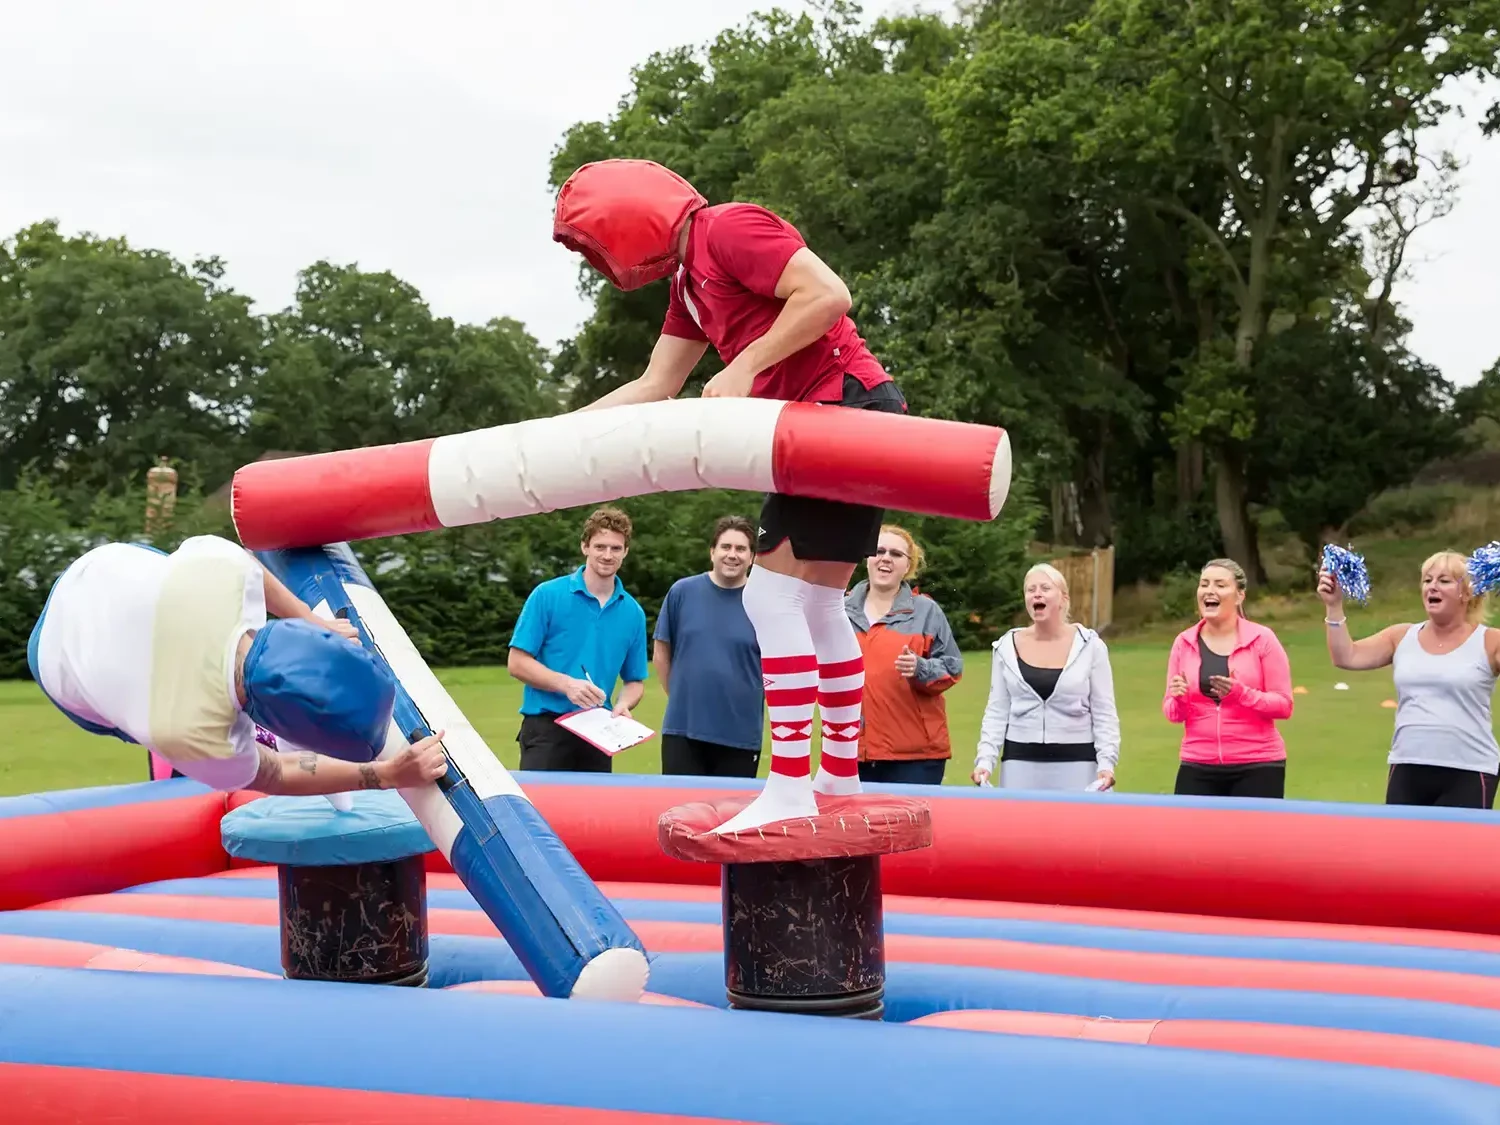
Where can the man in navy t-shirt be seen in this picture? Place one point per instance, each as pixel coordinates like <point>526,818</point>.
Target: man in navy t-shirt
<point>709,663</point>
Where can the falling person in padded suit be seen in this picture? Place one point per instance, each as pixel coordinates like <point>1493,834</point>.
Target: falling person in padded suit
<point>175,652</point>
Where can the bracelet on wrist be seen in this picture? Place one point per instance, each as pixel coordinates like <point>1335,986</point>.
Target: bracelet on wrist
<point>1336,624</point>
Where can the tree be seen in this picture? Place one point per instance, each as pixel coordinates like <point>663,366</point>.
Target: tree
<point>1372,418</point>
<point>1262,127</point>
<point>361,360</point>
<point>112,356</point>
<point>854,157</point>
<point>1051,311</point>
<point>1481,399</point>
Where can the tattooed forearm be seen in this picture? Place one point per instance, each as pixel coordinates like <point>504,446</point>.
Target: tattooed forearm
<point>308,761</point>
<point>268,772</point>
<point>368,778</point>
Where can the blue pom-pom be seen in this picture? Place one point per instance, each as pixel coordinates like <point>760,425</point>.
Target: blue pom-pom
<point>1484,568</point>
<point>1348,570</point>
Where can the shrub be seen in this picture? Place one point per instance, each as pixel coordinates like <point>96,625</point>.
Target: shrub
<point>1179,594</point>
<point>1404,510</point>
<point>1151,542</point>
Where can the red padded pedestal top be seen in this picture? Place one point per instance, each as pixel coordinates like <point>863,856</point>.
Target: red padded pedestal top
<point>844,826</point>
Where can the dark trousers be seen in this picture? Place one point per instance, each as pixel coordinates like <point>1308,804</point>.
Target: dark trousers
<point>1439,786</point>
<point>1262,780</point>
<point>912,771</point>
<point>692,757</point>
<point>547,746</point>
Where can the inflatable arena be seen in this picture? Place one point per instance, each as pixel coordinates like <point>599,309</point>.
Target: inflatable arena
<point>1068,959</point>
<point>555,948</point>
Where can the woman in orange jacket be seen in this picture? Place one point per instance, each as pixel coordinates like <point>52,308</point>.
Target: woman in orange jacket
<point>911,659</point>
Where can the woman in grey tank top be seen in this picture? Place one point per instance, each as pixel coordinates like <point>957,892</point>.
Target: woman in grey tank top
<point>1443,751</point>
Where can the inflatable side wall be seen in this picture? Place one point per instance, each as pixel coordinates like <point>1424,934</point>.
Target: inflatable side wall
<point>1366,865</point>
<point>82,1046</point>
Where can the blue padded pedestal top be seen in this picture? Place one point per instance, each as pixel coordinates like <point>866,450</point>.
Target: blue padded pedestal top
<point>310,832</point>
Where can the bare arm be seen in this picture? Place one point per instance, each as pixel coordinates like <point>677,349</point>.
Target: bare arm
<point>635,670</point>
<point>281,602</point>
<point>306,774</point>
<point>1360,656</point>
<point>661,659</point>
<point>532,672</point>
<point>630,695</point>
<point>816,298</point>
<point>672,361</point>
<point>1353,656</point>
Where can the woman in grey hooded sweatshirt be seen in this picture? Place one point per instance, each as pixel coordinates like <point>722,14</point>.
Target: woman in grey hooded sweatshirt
<point>1051,721</point>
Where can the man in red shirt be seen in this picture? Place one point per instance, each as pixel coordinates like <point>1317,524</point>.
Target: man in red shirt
<point>743,280</point>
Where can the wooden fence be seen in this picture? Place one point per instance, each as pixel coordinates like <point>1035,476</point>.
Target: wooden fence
<point>1091,586</point>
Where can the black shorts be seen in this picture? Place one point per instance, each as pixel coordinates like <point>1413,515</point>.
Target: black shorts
<point>829,530</point>
<point>547,746</point>
<point>1445,786</point>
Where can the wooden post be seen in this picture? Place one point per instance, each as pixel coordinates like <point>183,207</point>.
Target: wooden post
<point>1094,585</point>
<point>1091,585</point>
<point>161,496</point>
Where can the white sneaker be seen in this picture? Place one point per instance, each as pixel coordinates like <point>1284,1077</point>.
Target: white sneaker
<point>832,785</point>
<point>783,798</point>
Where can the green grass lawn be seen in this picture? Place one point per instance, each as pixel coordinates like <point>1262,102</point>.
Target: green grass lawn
<point>1337,740</point>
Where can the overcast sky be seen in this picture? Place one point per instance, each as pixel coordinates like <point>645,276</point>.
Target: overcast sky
<point>415,137</point>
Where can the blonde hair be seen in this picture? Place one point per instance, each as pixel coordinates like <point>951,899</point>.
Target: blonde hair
<point>1235,569</point>
<point>1456,565</point>
<point>915,558</point>
<point>1047,570</point>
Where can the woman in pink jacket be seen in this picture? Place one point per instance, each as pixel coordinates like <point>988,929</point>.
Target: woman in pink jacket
<point>1228,681</point>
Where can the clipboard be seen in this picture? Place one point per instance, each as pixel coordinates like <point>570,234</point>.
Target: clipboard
<point>604,730</point>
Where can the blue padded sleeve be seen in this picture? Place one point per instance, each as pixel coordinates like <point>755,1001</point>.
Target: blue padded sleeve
<point>525,879</point>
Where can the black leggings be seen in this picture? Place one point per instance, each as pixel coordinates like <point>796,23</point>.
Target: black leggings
<point>1447,786</point>
<point>1261,780</point>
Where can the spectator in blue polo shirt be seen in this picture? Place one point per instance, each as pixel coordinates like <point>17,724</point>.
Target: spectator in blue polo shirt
<point>576,636</point>
<point>709,663</point>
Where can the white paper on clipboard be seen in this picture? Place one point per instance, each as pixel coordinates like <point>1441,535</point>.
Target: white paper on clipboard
<point>605,730</point>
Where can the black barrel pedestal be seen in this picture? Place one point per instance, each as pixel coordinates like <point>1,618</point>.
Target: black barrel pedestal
<point>805,937</point>
<point>804,924</point>
<point>361,923</point>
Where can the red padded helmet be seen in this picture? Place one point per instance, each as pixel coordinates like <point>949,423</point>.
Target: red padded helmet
<point>625,216</point>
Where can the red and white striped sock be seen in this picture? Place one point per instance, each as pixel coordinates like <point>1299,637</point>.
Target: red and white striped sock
<point>841,690</point>
<point>791,690</point>
<point>774,603</point>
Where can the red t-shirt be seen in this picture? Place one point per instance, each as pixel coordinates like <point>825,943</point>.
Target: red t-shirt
<point>725,294</point>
